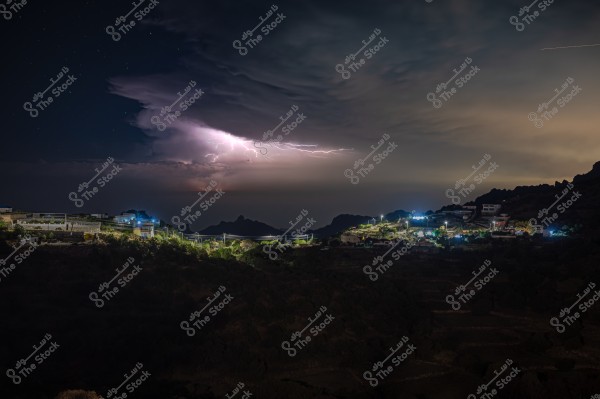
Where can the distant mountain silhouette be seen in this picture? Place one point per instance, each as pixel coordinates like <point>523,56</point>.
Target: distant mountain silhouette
<point>341,223</point>
<point>243,227</point>
<point>395,215</point>
<point>591,175</point>
<point>522,202</point>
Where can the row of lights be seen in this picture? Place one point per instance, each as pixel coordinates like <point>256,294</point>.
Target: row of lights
<point>139,222</point>
<point>416,218</point>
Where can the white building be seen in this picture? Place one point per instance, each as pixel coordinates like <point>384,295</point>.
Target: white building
<point>125,218</point>
<point>44,221</point>
<point>5,209</point>
<point>83,226</point>
<point>538,229</point>
<point>145,230</point>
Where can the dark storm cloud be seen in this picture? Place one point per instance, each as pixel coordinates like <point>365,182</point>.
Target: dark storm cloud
<point>295,64</point>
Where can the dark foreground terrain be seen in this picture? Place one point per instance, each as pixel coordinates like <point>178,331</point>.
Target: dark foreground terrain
<point>457,351</point>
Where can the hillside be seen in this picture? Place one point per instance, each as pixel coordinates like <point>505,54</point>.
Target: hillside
<point>457,350</point>
<point>339,224</point>
<point>242,226</point>
<point>524,202</point>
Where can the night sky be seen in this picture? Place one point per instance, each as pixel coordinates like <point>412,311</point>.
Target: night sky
<point>120,85</point>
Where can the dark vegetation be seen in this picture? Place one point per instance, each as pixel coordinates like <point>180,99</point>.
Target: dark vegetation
<point>456,351</point>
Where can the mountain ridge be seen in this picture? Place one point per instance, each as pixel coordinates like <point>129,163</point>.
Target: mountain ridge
<point>520,202</point>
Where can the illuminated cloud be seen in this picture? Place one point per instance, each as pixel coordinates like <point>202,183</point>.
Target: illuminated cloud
<point>246,95</point>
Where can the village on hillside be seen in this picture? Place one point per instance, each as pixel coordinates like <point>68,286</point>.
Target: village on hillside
<point>466,227</point>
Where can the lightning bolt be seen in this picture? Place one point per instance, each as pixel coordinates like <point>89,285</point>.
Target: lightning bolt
<point>225,145</point>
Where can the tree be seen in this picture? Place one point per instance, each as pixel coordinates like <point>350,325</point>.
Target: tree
<point>19,230</point>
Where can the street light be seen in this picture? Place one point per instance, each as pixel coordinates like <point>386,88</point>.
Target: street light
<point>381,218</point>
<point>446,223</point>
